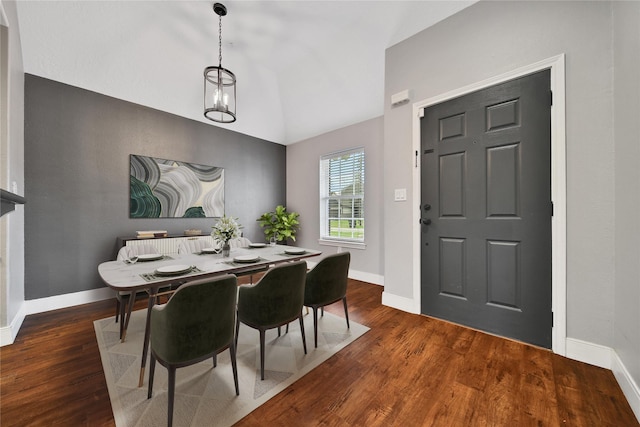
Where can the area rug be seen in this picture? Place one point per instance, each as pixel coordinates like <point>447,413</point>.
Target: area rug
<point>205,396</point>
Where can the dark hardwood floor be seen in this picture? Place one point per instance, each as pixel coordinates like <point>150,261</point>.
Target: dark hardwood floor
<point>408,370</point>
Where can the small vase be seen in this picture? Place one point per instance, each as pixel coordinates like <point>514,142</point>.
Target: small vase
<point>225,250</point>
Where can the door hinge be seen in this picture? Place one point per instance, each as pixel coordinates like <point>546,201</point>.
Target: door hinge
<point>550,97</point>
<point>552,324</point>
<point>551,208</point>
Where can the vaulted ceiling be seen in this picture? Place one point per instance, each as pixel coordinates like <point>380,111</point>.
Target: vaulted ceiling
<point>303,67</point>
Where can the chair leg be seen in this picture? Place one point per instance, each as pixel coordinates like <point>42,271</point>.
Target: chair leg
<point>171,395</point>
<point>117,307</point>
<point>304,340</point>
<point>262,354</point>
<point>234,366</point>
<point>315,325</point>
<point>346,313</point>
<point>215,360</point>
<point>237,330</point>
<point>152,370</point>
<point>278,330</point>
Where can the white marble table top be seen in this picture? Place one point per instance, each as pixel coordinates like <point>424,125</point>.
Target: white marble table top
<point>122,276</point>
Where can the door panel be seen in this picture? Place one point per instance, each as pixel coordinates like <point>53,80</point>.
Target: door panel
<point>486,209</point>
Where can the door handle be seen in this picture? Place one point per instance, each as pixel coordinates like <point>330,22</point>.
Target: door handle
<point>425,221</point>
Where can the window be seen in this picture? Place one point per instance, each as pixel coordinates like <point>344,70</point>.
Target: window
<point>342,197</point>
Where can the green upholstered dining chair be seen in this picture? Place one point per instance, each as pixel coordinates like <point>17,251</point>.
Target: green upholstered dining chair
<point>195,324</point>
<point>275,300</point>
<point>326,283</point>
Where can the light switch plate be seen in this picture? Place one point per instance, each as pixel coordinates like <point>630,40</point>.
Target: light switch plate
<point>400,194</point>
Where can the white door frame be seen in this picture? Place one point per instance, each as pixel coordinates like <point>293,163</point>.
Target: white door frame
<point>556,65</point>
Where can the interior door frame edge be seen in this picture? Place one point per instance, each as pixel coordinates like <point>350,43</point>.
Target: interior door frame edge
<point>556,65</point>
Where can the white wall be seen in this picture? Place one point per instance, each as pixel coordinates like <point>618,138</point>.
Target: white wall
<point>303,159</point>
<point>626,340</point>
<point>487,40</point>
<point>12,169</point>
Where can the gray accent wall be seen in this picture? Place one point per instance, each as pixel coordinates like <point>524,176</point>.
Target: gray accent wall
<point>77,147</point>
<point>489,39</point>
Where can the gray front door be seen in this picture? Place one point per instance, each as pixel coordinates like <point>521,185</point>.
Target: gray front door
<point>486,210</point>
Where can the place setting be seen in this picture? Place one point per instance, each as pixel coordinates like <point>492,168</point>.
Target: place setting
<point>294,251</point>
<point>151,257</point>
<point>146,258</point>
<point>170,271</point>
<point>244,260</point>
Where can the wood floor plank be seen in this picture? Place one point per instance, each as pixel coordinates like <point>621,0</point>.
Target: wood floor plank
<point>408,370</point>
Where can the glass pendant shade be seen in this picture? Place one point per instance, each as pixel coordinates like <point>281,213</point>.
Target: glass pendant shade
<point>219,95</point>
<point>219,83</point>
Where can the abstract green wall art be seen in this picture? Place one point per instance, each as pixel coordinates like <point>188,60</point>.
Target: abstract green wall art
<point>161,188</point>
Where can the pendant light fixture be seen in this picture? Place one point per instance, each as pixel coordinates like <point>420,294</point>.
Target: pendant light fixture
<point>219,83</point>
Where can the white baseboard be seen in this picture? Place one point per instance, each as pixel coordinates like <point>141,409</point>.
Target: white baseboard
<point>362,276</point>
<point>587,352</point>
<point>67,300</point>
<point>629,387</point>
<point>9,333</point>
<point>401,303</point>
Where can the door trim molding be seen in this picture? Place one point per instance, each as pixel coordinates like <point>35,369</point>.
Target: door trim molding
<point>556,65</point>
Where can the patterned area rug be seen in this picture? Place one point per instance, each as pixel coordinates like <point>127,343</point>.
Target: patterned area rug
<point>205,396</point>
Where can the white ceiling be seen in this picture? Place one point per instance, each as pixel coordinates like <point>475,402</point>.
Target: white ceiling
<point>303,67</point>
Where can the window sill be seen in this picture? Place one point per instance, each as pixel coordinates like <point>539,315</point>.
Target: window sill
<point>343,244</point>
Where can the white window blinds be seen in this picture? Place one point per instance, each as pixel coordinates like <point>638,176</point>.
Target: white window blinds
<point>342,196</point>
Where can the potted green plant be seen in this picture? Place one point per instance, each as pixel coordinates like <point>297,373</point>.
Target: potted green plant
<point>279,225</point>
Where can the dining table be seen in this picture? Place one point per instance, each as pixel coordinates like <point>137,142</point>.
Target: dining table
<point>150,273</point>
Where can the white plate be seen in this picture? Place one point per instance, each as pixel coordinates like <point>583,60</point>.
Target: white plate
<point>246,258</point>
<point>210,250</point>
<point>173,269</point>
<point>149,257</point>
<point>294,251</point>
<point>257,245</point>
